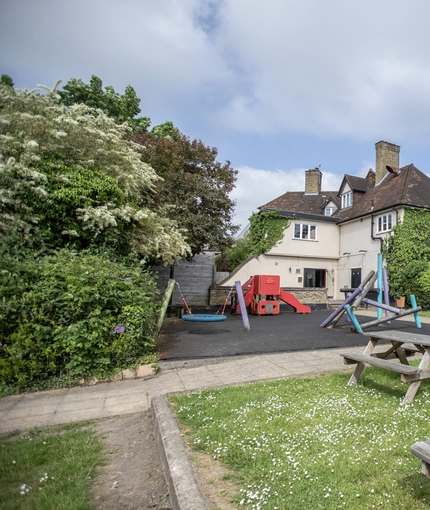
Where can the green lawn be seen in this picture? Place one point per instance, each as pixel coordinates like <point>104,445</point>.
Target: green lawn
<point>310,443</point>
<point>49,469</point>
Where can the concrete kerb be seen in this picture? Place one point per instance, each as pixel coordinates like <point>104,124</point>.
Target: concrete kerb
<point>181,478</point>
<point>184,488</point>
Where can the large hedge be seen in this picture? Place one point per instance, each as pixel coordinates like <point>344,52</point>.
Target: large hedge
<point>72,315</point>
<point>407,255</point>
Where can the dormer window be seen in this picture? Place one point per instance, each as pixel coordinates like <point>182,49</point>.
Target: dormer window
<point>329,211</point>
<point>347,199</point>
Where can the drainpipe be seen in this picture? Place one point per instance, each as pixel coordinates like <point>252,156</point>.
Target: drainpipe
<point>380,239</point>
<point>397,215</point>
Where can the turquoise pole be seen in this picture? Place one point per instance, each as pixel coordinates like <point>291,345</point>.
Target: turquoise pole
<point>353,318</point>
<point>416,314</point>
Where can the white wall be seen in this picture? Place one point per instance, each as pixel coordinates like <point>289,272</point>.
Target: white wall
<point>326,244</point>
<point>291,256</point>
<point>358,249</point>
<point>290,269</point>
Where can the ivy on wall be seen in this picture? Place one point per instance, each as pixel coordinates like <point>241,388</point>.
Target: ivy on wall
<point>407,256</point>
<point>267,230</point>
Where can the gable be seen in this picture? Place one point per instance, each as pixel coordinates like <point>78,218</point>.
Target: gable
<point>407,187</point>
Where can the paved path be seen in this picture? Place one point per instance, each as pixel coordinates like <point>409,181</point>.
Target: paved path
<point>55,407</point>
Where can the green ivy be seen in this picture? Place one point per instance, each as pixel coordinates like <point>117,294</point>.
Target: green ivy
<point>407,256</point>
<point>267,229</point>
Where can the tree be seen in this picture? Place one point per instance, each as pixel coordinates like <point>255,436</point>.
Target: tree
<point>195,187</point>
<point>195,183</point>
<point>6,81</point>
<point>69,177</point>
<point>121,107</point>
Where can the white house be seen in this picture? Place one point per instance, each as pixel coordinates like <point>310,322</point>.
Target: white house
<point>335,236</point>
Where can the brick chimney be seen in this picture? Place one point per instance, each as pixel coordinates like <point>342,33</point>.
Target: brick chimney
<point>313,181</point>
<point>386,154</point>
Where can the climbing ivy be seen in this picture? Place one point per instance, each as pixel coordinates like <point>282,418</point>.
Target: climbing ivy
<point>267,229</point>
<point>407,256</point>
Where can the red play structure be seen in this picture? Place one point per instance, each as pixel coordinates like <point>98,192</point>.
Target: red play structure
<point>263,294</point>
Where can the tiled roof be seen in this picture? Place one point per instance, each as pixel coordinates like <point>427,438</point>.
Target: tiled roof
<point>299,201</point>
<point>409,187</point>
<point>357,183</point>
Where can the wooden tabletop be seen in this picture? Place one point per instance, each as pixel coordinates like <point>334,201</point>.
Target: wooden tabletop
<point>400,336</point>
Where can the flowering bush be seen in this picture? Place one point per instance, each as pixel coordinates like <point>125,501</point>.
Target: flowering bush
<point>69,177</point>
<point>72,315</point>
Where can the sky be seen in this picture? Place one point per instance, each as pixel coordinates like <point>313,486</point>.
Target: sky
<point>278,87</point>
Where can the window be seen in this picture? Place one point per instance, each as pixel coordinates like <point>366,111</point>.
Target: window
<point>384,223</point>
<point>329,211</point>
<point>347,199</point>
<point>314,278</point>
<point>304,231</point>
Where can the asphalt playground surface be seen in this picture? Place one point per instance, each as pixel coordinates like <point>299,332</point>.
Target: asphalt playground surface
<point>286,332</point>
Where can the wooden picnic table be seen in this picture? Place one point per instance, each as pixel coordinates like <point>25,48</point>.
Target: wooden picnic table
<point>402,345</point>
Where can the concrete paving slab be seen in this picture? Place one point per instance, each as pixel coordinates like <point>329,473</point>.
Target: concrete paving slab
<point>126,408</point>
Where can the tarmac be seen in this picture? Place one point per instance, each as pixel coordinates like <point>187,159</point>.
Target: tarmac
<point>55,407</point>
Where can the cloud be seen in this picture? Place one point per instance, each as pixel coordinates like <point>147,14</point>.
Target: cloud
<point>329,69</point>
<point>276,84</point>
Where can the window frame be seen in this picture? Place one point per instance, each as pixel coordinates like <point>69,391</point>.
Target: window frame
<point>384,223</point>
<point>305,231</point>
<point>331,208</point>
<point>346,199</point>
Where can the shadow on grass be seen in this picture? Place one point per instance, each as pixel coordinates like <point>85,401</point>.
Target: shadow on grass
<point>386,382</point>
<point>417,486</point>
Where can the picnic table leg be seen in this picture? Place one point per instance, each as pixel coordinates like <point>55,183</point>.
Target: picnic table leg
<point>412,391</point>
<point>360,366</point>
<point>413,388</point>
<point>402,356</point>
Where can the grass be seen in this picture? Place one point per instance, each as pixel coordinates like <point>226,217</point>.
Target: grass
<point>315,442</point>
<point>49,469</point>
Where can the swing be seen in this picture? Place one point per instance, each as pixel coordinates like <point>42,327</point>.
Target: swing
<point>203,317</point>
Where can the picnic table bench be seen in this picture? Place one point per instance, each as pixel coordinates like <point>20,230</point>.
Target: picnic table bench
<point>403,345</point>
<point>422,451</point>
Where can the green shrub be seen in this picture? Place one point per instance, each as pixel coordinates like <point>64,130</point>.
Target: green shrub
<point>72,315</point>
<point>422,290</point>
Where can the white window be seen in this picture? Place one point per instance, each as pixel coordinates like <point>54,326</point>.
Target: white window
<point>329,211</point>
<point>384,223</point>
<point>347,199</point>
<point>305,231</point>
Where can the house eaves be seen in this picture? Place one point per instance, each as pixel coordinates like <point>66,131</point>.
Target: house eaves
<point>303,216</point>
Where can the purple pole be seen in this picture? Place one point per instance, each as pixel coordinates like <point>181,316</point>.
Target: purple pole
<point>379,299</point>
<point>348,300</point>
<point>243,311</point>
<point>387,308</point>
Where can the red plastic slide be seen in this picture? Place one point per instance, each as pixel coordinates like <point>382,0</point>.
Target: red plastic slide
<point>288,298</point>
